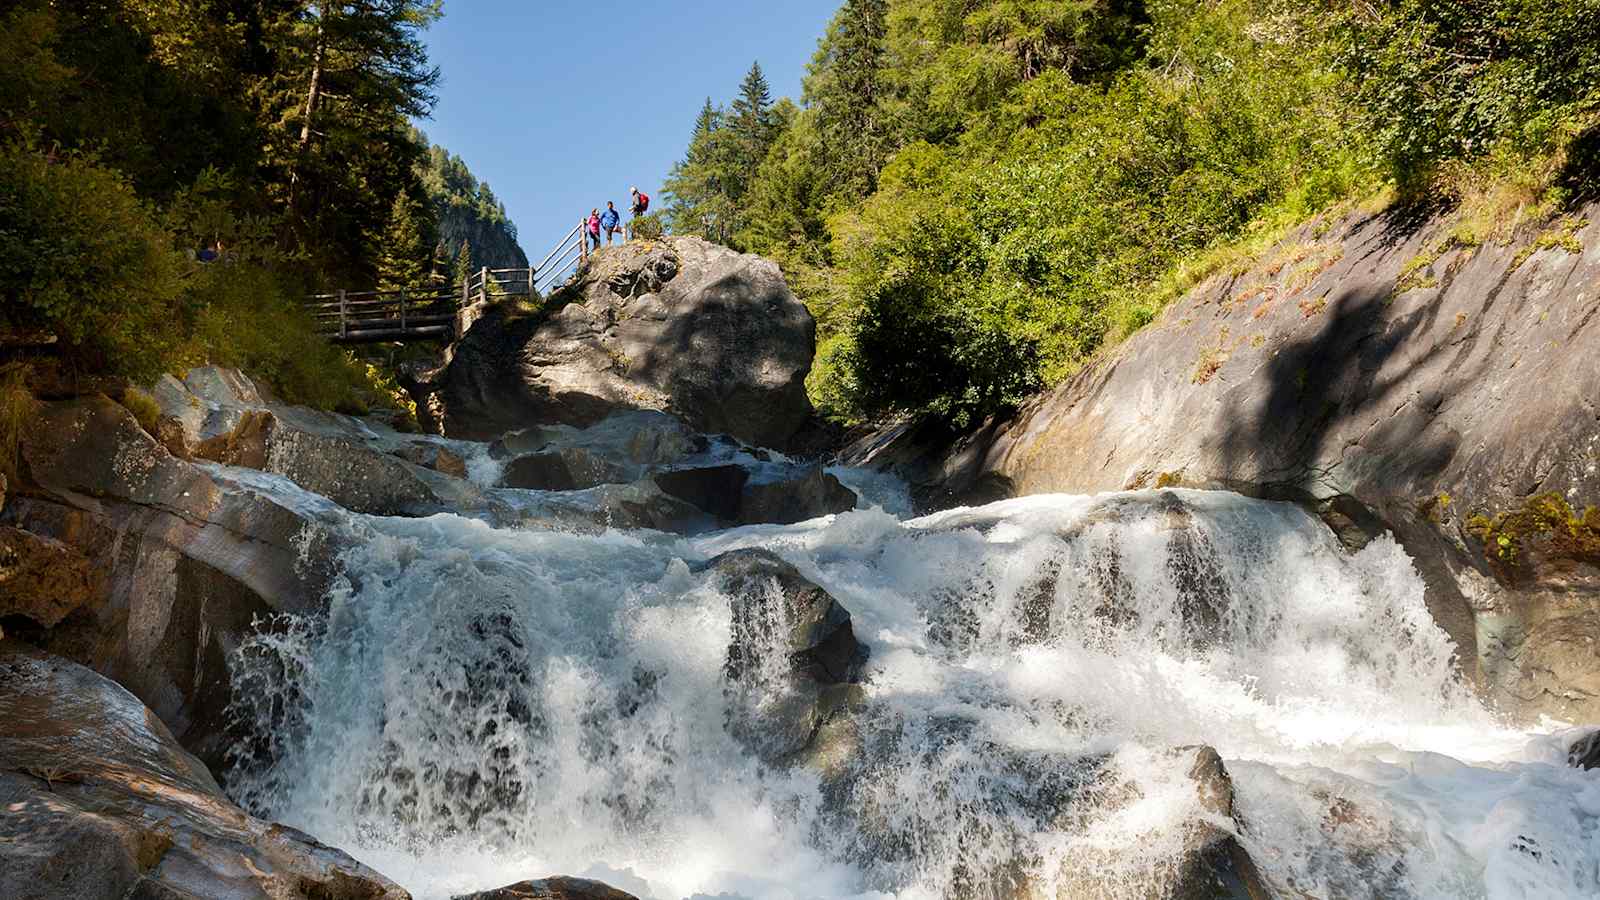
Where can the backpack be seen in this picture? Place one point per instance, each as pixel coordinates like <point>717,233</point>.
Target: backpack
<point>643,202</point>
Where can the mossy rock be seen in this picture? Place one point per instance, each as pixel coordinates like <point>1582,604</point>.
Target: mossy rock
<point>1545,525</point>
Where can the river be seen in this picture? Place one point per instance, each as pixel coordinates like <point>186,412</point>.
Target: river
<point>485,704</point>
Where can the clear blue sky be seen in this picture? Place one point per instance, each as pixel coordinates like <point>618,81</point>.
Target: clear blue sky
<point>563,106</point>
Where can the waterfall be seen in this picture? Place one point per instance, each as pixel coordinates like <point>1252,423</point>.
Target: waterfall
<point>482,705</point>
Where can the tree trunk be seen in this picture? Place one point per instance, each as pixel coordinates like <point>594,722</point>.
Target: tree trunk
<point>313,99</point>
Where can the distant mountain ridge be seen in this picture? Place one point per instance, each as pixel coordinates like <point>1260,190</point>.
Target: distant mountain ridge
<point>467,210</point>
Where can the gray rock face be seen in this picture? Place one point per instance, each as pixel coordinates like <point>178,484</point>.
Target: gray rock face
<point>558,888</point>
<point>220,415</point>
<point>188,561</point>
<point>1456,413</point>
<point>678,325</point>
<point>102,802</point>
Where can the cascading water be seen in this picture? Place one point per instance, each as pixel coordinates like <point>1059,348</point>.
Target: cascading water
<point>484,705</point>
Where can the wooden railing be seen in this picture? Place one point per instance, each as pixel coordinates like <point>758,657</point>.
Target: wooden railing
<point>437,313</point>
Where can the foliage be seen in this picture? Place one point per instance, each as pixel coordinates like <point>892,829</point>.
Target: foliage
<point>135,134</point>
<point>1438,80</point>
<point>978,195</point>
<point>647,227</point>
<point>707,191</point>
<point>17,407</point>
<point>143,407</point>
<point>84,259</point>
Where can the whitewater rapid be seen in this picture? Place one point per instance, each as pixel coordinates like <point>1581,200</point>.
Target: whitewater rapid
<point>483,705</point>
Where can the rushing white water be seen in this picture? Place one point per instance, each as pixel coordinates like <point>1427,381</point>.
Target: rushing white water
<point>484,705</point>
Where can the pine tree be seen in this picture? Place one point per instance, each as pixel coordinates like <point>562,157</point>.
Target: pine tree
<point>404,251</point>
<point>345,78</point>
<point>463,266</point>
<point>694,183</point>
<point>846,89</point>
<point>750,130</point>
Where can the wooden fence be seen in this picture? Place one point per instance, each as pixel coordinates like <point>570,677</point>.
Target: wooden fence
<point>434,314</point>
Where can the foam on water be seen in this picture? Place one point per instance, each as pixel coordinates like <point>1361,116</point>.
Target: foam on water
<point>484,705</point>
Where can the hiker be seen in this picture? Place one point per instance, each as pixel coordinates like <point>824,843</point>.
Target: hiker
<point>641,204</point>
<point>594,228</point>
<point>611,221</point>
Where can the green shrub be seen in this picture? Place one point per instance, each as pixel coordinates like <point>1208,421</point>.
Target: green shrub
<point>83,258</point>
<point>648,227</point>
<point>1441,79</point>
<point>984,270</point>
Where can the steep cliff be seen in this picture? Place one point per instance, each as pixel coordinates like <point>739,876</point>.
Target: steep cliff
<point>468,212</point>
<point>1396,377</point>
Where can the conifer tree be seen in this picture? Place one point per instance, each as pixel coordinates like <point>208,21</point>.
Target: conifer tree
<point>403,259</point>
<point>463,265</point>
<point>845,88</point>
<point>751,130</point>
<point>695,182</point>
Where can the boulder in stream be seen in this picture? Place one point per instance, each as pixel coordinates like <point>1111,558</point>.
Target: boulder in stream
<point>793,657</point>
<point>101,801</point>
<point>558,888</point>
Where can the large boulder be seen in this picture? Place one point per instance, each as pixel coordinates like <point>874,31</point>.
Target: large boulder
<point>101,801</point>
<point>793,657</point>
<point>188,561</point>
<point>1374,368</point>
<point>791,495</point>
<point>713,336</point>
<point>558,888</point>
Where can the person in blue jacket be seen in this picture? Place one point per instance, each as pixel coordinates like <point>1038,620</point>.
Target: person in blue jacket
<point>611,222</point>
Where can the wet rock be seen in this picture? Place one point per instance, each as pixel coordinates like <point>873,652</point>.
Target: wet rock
<point>43,579</point>
<point>773,601</point>
<point>358,478</point>
<point>432,456</point>
<point>559,888</point>
<point>718,490</point>
<point>1215,864</point>
<point>793,655</point>
<point>189,560</point>
<point>638,505</point>
<point>794,497</point>
<point>1585,752</point>
<point>363,466</point>
<point>712,336</point>
<point>102,802</point>
<point>566,469</point>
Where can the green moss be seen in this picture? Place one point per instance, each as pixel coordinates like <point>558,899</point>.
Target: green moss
<point>1561,531</point>
<point>1563,234</point>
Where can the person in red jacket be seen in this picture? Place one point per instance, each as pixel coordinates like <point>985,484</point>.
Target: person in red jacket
<point>641,203</point>
<point>594,228</point>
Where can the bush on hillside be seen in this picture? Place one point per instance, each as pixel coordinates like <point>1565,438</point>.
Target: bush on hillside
<point>1439,80</point>
<point>984,271</point>
<point>82,258</point>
